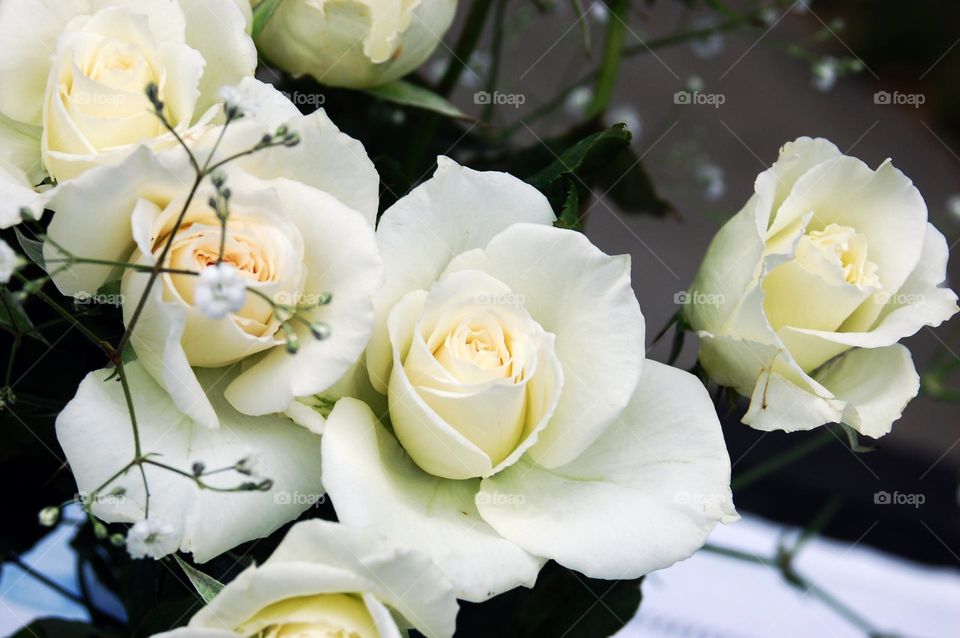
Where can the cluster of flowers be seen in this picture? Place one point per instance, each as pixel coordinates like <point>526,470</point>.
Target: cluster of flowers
<point>465,381</point>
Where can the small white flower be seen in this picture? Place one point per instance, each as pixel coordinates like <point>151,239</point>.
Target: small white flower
<point>152,537</point>
<point>953,206</point>
<point>577,102</point>
<point>710,177</point>
<point>237,100</point>
<point>825,74</point>
<point>10,262</point>
<point>49,516</point>
<point>599,12</point>
<point>710,45</point>
<point>220,291</point>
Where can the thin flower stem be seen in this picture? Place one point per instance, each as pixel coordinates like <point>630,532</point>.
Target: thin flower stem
<point>784,567</point>
<point>89,334</point>
<point>612,55</point>
<point>196,479</point>
<point>782,460</point>
<point>121,264</point>
<point>155,271</point>
<point>236,156</point>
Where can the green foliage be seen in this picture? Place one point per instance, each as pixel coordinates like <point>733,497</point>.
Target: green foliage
<point>207,586</point>
<point>409,94</point>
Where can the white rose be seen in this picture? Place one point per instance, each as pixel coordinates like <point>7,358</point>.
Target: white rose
<point>356,43</point>
<point>300,229</point>
<point>74,74</point>
<point>804,294</point>
<point>523,429</point>
<point>94,432</point>
<point>327,580</point>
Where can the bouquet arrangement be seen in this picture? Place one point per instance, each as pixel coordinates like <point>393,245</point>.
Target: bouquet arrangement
<point>319,383</point>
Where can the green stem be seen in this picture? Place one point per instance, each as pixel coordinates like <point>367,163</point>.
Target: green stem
<point>89,334</point>
<point>612,54</point>
<point>463,50</point>
<point>799,582</point>
<point>155,271</point>
<point>499,16</point>
<point>782,460</point>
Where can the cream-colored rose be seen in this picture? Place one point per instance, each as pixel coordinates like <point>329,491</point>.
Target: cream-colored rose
<point>804,294</point>
<point>74,74</point>
<point>327,580</point>
<point>299,233</point>
<point>470,355</point>
<point>525,424</point>
<point>354,43</point>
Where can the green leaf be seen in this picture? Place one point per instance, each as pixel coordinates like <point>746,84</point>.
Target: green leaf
<point>261,15</point>
<point>407,94</point>
<point>584,157</point>
<point>31,247</point>
<point>14,318</point>
<point>207,586</point>
<point>629,185</point>
<point>570,213</point>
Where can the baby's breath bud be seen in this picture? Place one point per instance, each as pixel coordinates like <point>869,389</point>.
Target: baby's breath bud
<point>153,94</point>
<point>265,485</point>
<point>117,540</point>
<point>320,330</point>
<point>99,530</point>
<point>218,179</point>
<point>49,516</point>
<point>198,468</point>
<point>291,139</point>
<point>282,131</point>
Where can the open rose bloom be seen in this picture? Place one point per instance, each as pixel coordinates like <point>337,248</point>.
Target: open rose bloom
<point>329,580</point>
<point>804,294</point>
<point>299,229</point>
<point>524,423</point>
<point>74,73</point>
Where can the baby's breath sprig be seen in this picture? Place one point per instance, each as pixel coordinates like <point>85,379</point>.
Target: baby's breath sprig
<point>290,314</point>
<point>210,169</point>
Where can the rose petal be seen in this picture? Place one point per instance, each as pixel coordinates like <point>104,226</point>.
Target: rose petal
<point>374,484</point>
<point>645,495</point>
<point>209,522</point>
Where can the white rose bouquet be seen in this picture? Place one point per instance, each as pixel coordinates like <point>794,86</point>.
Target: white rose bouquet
<point>302,342</point>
